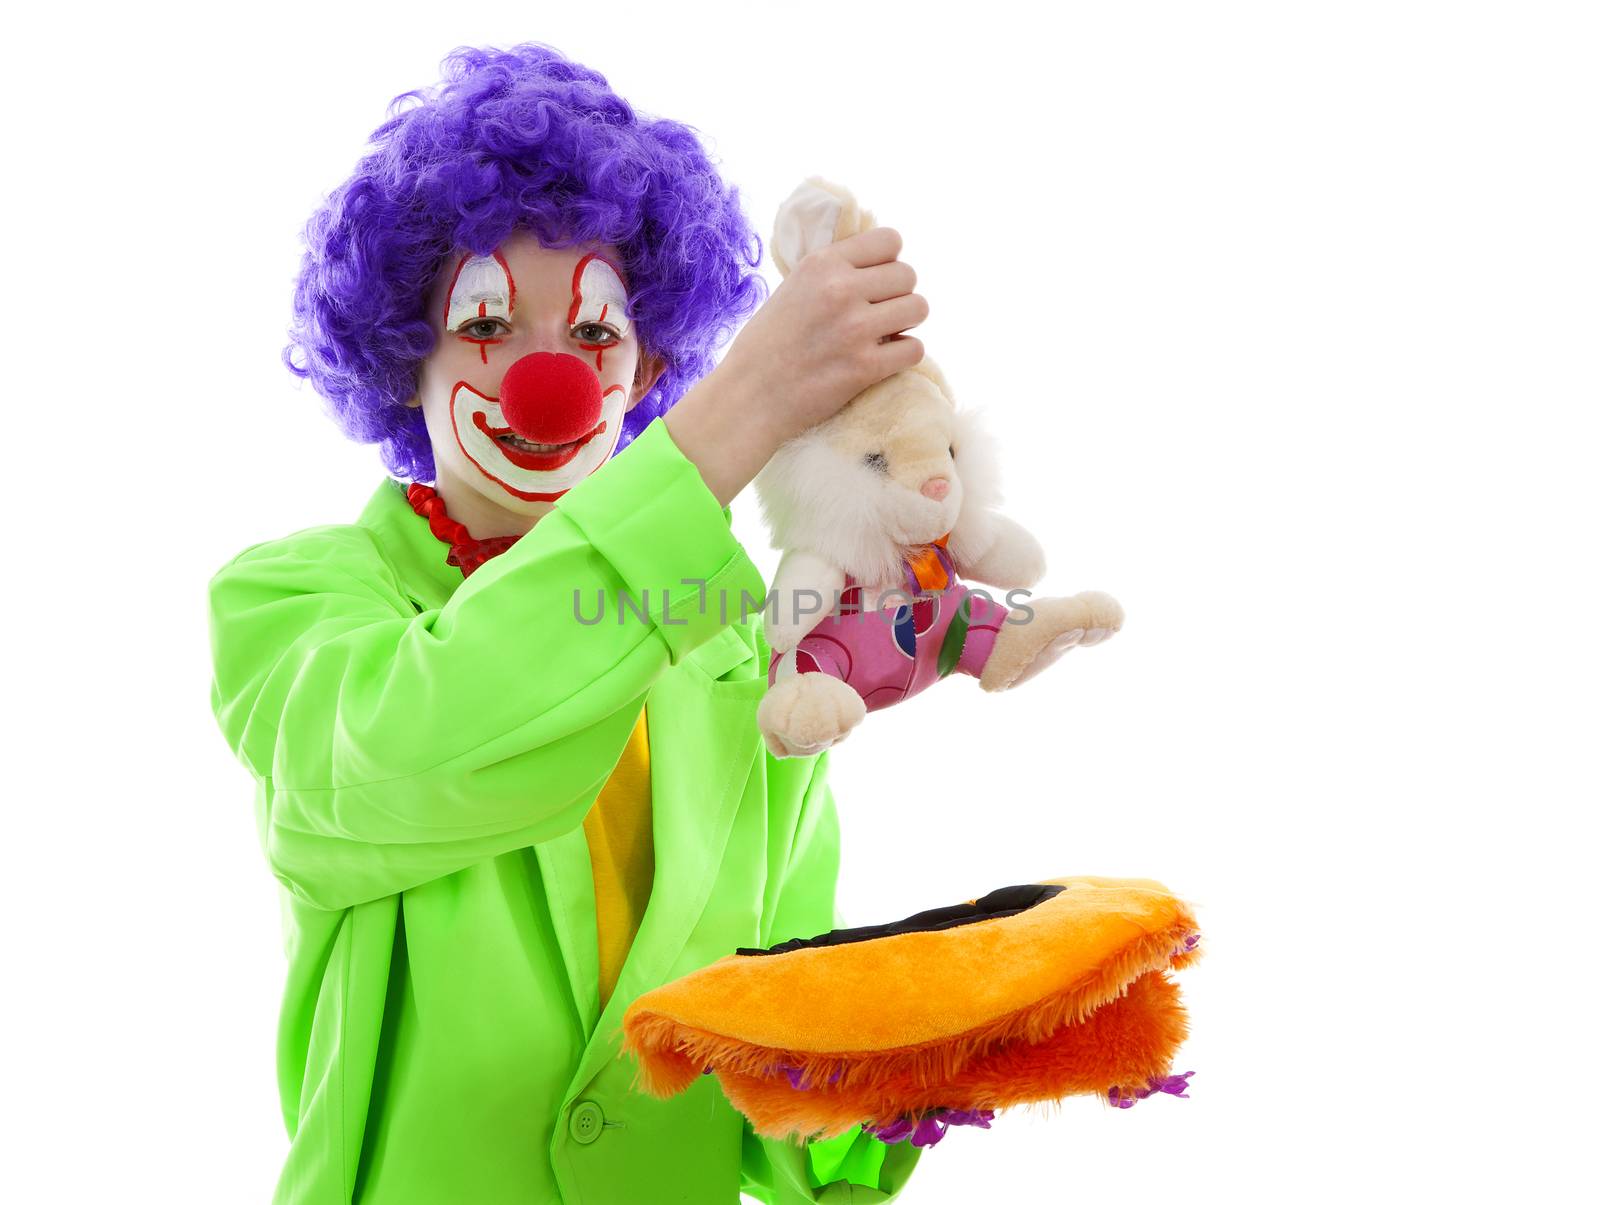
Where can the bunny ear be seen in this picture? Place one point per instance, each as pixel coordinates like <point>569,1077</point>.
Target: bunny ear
<point>814,214</point>
<point>806,221</point>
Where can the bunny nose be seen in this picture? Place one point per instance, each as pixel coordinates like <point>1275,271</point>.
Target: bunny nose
<point>935,488</point>
<point>550,398</point>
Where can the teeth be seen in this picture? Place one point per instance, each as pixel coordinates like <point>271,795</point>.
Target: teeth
<point>523,445</point>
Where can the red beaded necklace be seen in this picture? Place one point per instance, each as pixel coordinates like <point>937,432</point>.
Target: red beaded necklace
<point>466,553</point>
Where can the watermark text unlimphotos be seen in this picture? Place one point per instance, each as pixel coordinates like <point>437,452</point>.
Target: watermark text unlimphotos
<point>777,607</point>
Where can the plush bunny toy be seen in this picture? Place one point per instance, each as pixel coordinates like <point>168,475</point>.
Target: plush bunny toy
<point>879,512</point>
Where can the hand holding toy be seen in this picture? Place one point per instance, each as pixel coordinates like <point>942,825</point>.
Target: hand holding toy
<point>881,510</point>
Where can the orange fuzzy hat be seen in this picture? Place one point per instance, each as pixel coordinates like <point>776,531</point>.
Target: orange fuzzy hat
<point>1025,995</point>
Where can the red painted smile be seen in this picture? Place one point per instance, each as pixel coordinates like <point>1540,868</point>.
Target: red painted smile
<point>542,459</point>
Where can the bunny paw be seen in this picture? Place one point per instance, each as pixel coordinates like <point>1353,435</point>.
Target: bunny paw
<point>1057,626</point>
<point>805,714</point>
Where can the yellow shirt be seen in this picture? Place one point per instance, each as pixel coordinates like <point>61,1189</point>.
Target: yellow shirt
<point>622,854</point>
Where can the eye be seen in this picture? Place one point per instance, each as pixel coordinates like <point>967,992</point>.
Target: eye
<point>483,328</point>
<point>596,334</point>
<point>876,461</point>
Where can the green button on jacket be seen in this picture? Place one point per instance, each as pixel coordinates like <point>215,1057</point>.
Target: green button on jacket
<point>424,749</point>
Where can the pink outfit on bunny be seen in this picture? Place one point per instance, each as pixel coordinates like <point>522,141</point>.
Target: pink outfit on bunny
<point>899,649</point>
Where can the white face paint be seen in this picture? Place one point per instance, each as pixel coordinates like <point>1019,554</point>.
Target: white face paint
<point>482,288</point>
<point>599,296</point>
<point>481,293</point>
<point>478,422</point>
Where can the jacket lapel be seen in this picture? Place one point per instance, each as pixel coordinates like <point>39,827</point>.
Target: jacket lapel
<point>703,745</point>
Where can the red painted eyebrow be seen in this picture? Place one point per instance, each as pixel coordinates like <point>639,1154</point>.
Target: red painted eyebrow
<point>577,281</point>
<point>499,258</point>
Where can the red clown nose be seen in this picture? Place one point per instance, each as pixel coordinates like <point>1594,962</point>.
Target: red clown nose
<point>550,398</point>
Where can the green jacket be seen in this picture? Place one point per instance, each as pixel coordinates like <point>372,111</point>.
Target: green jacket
<point>424,750</point>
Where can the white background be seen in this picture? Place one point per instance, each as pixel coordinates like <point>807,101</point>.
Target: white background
<point>1286,318</point>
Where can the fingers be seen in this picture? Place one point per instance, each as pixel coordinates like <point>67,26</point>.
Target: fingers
<point>879,245</point>
<point>857,296</point>
<point>895,354</point>
<point>898,314</point>
<point>881,282</point>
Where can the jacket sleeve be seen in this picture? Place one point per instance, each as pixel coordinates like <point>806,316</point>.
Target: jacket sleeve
<point>390,747</point>
<point>851,1167</point>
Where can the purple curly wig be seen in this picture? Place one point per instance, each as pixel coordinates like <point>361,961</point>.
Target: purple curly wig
<point>513,138</point>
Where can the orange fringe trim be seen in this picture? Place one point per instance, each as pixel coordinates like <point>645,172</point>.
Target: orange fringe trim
<point>1128,1042</point>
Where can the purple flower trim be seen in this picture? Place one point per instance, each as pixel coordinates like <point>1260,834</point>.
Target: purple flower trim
<point>796,1075</point>
<point>928,1130</point>
<point>1173,1085</point>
